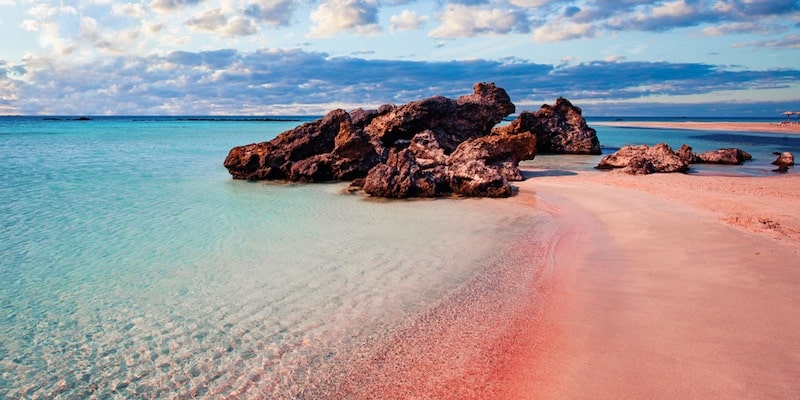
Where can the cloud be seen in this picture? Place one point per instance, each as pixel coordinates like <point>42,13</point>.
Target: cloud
<point>631,15</point>
<point>29,25</point>
<point>271,12</point>
<point>789,42</point>
<point>662,16</point>
<point>407,21</point>
<point>166,6</point>
<point>215,21</point>
<point>467,21</point>
<point>529,3</point>
<point>738,27</point>
<point>560,31</point>
<point>338,16</point>
<point>230,81</point>
<point>136,10</point>
<point>44,11</point>
<point>209,20</point>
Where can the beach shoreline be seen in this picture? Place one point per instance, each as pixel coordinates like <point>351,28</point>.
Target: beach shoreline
<point>660,286</point>
<point>760,127</point>
<point>689,289</point>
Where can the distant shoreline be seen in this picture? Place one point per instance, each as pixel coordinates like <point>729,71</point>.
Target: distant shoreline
<point>764,127</point>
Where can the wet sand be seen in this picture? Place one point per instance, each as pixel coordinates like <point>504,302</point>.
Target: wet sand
<point>671,286</point>
<point>767,127</point>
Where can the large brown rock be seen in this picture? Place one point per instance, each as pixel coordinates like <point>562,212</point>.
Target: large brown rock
<point>481,167</point>
<point>559,129</point>
<point>399,177</point>
<point>274,159</point>
<point>451,121</point>
<point>643,159</point>
<point>431,147</point>
<point>475,178</point>
<point>729,156</point>
<point>502,152</point>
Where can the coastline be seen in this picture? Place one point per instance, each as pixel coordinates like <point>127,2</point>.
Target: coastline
<point>762,127</point>
<point>660,286</point>
<point>689,289</point>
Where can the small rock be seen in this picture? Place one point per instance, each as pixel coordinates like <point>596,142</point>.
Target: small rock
<point>784,161</point>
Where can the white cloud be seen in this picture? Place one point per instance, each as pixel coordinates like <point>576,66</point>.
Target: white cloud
<point>239,26</point>
<point>29,25</point>
<point>128,9</point>
<point>43,11</point>
<point>723,7</point>
<point>468,21</point>
<point>407,21</point>
<point>209,21</point>
<point>166,6</point>
<point>560,31</point>
<point>672,9</point>
<point>338,16</point>
<point>529,3</point>
<point>791,41</point>
<point>215,21</point>
<point>89,29</point>
<point>7,3</point>
<point>272,12</point>
<point>736,27</point>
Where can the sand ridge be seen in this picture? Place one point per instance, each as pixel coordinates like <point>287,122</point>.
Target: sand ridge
<point>764,127</point>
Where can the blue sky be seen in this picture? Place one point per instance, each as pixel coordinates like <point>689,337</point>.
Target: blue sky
<point>271,57</point>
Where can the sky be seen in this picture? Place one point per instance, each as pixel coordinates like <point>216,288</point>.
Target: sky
<point>286,57</point>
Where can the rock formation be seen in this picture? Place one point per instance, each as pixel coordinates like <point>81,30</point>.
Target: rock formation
<point>643,159</point>
<point>729,156</point>
<point>559,129</point>
<point>784,161</point>
<point>431,147</point>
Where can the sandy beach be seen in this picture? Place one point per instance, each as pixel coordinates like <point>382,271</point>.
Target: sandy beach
<point>667,286</point>
<point>766,127</point>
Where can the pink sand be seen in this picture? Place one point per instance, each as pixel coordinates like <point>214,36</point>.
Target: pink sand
<point>770,127</point>
<point>678,287</point>
<point>652,287</point>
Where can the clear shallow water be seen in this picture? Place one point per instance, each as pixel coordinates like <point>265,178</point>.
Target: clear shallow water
<point>132,266</point>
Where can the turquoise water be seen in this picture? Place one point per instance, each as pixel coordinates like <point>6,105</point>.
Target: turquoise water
<point>132,266</point>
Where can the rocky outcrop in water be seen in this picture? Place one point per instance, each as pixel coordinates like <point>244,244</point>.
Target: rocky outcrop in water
<point>728,156</point>
<point>559,129</point>
<point>643,159</point>
<point>784,161</point>
<point>431,147</point>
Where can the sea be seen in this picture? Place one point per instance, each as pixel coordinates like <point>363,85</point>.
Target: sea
<point>133,266</point>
